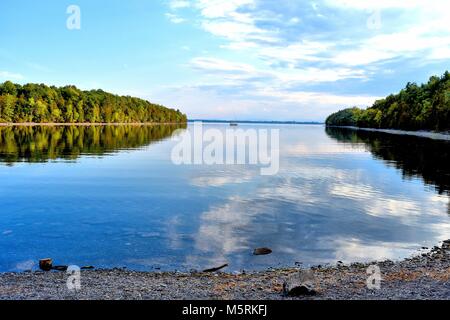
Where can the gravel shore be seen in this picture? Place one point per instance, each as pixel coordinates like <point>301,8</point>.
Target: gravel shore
<point>423,134</point>
<point>426,276</point>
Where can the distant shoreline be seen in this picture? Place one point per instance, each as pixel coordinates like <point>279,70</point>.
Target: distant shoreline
<point>257,122</point>
<point>423,134</point>
<point>85,124</point>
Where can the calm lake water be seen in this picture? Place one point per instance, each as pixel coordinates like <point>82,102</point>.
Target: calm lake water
<point>111,197</point>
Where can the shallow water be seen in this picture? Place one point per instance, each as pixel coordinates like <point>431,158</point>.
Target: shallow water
<point>111,197</point>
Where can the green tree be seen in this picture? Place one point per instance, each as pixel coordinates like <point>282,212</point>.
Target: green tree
<point>424,107</point>
<point>41,103</point>
<point>7,104</point>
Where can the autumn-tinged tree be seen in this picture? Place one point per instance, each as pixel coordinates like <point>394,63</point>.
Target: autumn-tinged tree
<point>41,103</point>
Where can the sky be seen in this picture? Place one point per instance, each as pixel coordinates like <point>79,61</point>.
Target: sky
<point>229,59</point>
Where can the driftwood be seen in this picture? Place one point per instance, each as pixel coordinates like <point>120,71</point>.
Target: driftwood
<point>216,269</point>
<point>87,268</point>
<point>60,268</point>
<point>64,268</point>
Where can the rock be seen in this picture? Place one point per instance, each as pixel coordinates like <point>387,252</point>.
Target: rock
<point>262,251</point>
<point>299,284</point>
<point>46,264</point>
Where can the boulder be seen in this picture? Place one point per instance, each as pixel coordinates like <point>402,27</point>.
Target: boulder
<point>46,264</point>
<point>300,284</point>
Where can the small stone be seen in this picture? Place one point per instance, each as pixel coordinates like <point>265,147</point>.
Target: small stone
<point>262,251</point>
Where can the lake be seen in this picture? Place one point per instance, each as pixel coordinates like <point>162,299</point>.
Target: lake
<point>111,197</point>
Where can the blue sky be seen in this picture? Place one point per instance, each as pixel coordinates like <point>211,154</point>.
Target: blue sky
<point>230,59</point>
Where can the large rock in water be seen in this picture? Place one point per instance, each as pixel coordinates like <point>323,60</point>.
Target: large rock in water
<point>300,284</point>
<point>46,264</point>
<point>262,251</point>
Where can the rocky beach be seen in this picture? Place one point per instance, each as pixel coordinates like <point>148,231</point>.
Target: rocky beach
<point>425,276</point>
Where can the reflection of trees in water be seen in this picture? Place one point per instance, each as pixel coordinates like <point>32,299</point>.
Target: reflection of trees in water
<point>414,156</point>
<point>43,143</point>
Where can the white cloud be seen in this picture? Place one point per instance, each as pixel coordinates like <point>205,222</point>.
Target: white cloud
<point>258,102</point>
<point>179,4</point>
<point>174,18</point>
<point>294,20</point>
<point>304,50</point>
<point>265,59</point>
<point>224,18</point>
<point>222,8</point>
<point>217,65</point>
<point>228,20</point>
<point>236,31</point>
<point>286,77</point>
<point>413,42</point>
<point>317,98</point>
<point>382,4</point>
<point>10,75</point>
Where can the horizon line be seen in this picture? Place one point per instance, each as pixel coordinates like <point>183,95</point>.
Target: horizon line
<point>256,121</point>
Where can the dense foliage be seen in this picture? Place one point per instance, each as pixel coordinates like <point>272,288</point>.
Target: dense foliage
<point>40,103</point>
<point>425,107</point>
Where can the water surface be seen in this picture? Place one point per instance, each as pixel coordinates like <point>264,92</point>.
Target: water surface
<point>111,197</point>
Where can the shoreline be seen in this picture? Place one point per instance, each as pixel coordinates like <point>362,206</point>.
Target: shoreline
<point>423,134</point>
<point>425,276</point>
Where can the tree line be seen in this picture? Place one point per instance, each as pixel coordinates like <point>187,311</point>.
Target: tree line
<point>41,103</point>
<point>424,107</point>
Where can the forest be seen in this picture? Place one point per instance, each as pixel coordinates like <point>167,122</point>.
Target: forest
<point>424,107</point>
<point>40,103</point>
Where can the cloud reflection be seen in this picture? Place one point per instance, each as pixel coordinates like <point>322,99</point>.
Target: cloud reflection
<point>320,209</point>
